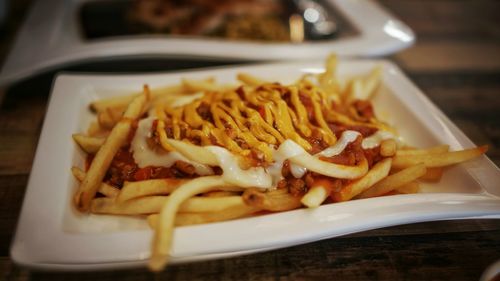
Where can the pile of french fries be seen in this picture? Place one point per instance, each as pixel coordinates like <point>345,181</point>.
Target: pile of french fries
<point>174,202</point>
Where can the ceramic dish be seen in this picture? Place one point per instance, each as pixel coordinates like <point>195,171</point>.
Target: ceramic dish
<point>56,32</point>
<point>51,235</point>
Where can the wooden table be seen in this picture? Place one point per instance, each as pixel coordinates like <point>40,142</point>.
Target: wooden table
<point>456,62</point>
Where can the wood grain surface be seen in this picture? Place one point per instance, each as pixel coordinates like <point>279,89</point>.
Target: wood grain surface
<point>456,62</point>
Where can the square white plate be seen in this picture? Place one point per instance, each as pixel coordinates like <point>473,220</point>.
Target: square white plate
<point>51,235</point>
<point>56,32</point>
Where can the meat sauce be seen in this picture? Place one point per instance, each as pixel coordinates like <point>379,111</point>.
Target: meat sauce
<point>123,168</point>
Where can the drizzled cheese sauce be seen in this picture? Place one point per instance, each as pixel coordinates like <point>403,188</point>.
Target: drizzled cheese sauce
<point>345,139</point>
<point>297,170</point>
<point>232,173</point>
<point>375,139</point>
<point>144,156</point>
<point>253,177</point>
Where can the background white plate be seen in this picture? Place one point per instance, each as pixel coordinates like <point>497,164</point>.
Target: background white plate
<point>51,235</point>
<point>53,29</point>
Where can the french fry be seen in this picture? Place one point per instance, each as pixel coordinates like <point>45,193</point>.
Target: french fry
<point>89,144</point>
<point>275,200</point>
<point>433,174</point>
<point>138,189</point>
<point>78,173</point>
<point>181,219</point>
<point>377,173</point>
<point>203,85</point>
<point>394,181</point>
<point>162,239</point>
<point>113,102</point>
<point>432,150</point>
<point>153,204</point>
<point>327,79</point>
<point>370,83</point>
<point>105,189</point>
<point>144,188</point>
<point>108,118</point>
<point>409,188</point>
<point>230,213</point>
<point>388,148</point>
<point>250,80</point>
<point>123,101</point>
<point>217,193</point>
<point>438,159</point>
<point>95,130</point>
<point>318,193</point>
<point>315,196</point>
<point>104,156</point>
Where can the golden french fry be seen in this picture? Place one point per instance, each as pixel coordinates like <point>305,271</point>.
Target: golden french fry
<point>370,83</point>
<point>394,181</point>
<point>176,100</point>
<point>209,204</point>
<point>123,101</point>
<point>433,174</point>
<point>318,193</point>
<point>138,189</point>
<point>217,193</point>
<point>108,190</point>
<point>388,148</point>
<point>162,239</point>
<point>438,159</point>
<point>104,188</point>
<point>203,85</point>
<point>89,144</point>
<point>138,206</point>
<point>95,130</point>
<point>431,150</point>
<point>327,79</point>
<point>230,213</point>
<point>274,200</point>
<point>315,196</point>
<point>78,173</point>
<point>104,156</point>
<point>409,188</point>
<point>153,204</point>
<point>108,118</point>
<point>377,173</point>
<point>250,80</point>
<point>234,212</point>
<point>113,102</point>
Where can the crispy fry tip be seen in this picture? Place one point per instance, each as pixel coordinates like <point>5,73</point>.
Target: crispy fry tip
<point>157,263</point>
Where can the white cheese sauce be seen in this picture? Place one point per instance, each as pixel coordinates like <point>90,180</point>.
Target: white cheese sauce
<point>375,139</point>
<point>144,156</point>
<point>232,173</point>
<point>345,139</point>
